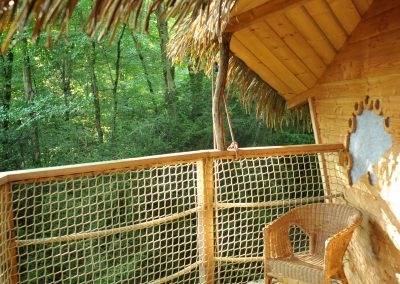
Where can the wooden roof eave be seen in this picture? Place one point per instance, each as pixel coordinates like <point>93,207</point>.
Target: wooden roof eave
<point>247,18</point>
<point>246,21</point>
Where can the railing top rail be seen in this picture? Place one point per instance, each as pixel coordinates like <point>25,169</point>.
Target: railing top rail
<point>159,160</point>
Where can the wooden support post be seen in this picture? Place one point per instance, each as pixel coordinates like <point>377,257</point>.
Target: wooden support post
<point>9,254</point>
<point>321,157</point>
<point>205,225</point>
<point>218,101</point>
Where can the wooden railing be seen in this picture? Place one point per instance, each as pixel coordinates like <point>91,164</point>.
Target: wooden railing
<point>206,208</point>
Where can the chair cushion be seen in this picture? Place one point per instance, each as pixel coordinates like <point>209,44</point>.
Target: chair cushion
<point>306,268</point>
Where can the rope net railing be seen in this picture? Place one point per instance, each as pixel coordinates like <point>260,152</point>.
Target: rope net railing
<point>179,222</point>
<point>123,227</point>
<point>252,192</point>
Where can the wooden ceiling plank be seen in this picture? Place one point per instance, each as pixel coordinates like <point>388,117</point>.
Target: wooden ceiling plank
<point>290,35</point>
<point>243,6</point>
<point>346,13</point>
<point>255,45</point>
<point>310,30</point>
<point>283,52</point>
<point>259,13</point>
<point>241,51</point>
<point>362,5</point>
<point>324,17</point>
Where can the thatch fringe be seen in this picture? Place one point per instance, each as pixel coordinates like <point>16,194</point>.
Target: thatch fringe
<point>106,15</point>
<point>269,105</point>
<point>196,40</point>
<point>198,24</point>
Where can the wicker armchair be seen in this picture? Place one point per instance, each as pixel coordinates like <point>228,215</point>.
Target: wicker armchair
<point>329,228</point>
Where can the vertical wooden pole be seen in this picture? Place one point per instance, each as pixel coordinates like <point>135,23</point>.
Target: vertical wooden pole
<point>321,157</point>
<point>205,226</point>
<point>217,104</point>
<point>7,220</point>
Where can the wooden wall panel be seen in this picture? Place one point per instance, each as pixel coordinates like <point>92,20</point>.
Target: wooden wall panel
<point>369,64</point>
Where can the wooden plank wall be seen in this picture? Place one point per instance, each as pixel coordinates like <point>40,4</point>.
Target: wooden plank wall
<point>369,64</point>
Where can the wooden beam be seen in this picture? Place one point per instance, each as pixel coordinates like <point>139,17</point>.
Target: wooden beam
<point>265,55</point>
<point>205,185</point>
<point>327,21</point>
<point>158,160</point>
<point>362,5</point>
<point>244,20</point>
<point>12,248</point>
<point>284,53</point>
<point>312,33</point>
<point>295,40</point>
<point>242,52</point>
<point>321,157</point>
<point>302,98</point>
<point>346,13</point>
<point>244,6</point>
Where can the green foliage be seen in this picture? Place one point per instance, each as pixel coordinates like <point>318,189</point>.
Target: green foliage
<point>144,126</point>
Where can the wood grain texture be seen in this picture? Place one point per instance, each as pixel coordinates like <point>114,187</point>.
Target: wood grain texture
<point>291,43</point>
<point>260,51</point>
<point>159,160</point>
<point>312,33</point>
<point>362,5</point>
<point>346,13</point>
<point>368,65</point>
<point>259,13</point>
<point>205,220</point>
<point>290,35</point>
<point>284,53</point>
<point>326,20</point>
<point>246,5</point>
<point>241,51</point>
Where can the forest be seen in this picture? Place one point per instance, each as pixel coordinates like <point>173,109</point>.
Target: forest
<point>69,99</point>
<point>81,100</point>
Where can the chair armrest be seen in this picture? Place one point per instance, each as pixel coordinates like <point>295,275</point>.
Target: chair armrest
<point>336,246</point>
<point>276,238</point>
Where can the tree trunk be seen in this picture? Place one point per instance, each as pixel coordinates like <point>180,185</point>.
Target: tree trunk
<point>196,88</point>
<point>115,87</point>
<point>30,97</point>
<point>138,48</point>
<point>168,69</point>
<point>66,81</point>
<point>95,92</point>
<point>6,99</point>
<point>217,103</point>
<point>7,75</point>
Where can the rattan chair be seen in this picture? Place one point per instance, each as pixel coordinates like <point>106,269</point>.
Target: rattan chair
<point>328,228</point>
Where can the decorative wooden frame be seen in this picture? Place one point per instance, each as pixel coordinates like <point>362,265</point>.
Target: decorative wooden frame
<point>346,159</point>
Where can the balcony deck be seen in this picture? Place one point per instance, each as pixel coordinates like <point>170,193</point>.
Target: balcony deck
<point>192,217</point>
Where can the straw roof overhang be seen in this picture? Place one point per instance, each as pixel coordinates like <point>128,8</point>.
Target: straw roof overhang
<point>279,48</point>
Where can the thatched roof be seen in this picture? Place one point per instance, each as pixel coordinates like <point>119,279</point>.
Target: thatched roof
<point>198,25</point>
<point>197,40</point>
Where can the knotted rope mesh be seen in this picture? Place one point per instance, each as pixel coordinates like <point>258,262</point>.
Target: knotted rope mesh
<point>146,225</point>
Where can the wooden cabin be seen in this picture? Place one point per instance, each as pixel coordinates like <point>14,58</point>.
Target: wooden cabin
<point>333,55</point>
<point>198,217</point>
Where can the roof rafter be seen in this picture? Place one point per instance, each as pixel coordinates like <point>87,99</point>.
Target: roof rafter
<point>245,19</point>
